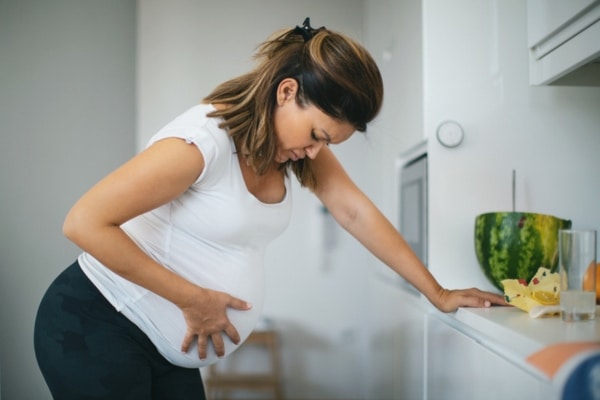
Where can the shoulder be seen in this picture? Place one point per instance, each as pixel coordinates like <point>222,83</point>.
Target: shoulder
<point>327,168</point>
<point>333,182</point>
<point>195,127</point>
<point>193,122</point>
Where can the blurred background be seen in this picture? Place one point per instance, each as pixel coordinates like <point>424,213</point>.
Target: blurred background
<point>85,83</point>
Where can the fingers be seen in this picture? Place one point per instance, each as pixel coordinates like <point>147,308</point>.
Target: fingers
<point>478,298</point>
<point>491,298</point>
<point>233,334</point>
<point>187,341</point>
<point>497,299</point>
<point>239,304</point>
<point>202,341</point>
<point>218,345</point>
<point>207,320</point>
<point>476,301</point>
<point>202,347</point>
<point>451,300</point>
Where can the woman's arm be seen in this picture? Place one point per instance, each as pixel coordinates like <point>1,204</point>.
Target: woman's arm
<point>360,217</point>
<point>154,177</point>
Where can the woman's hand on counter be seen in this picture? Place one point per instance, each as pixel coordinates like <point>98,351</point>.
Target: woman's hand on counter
<point>451,300</point>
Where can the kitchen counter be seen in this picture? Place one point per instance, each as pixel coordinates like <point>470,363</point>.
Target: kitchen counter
<point>513,335</point>
<point>505,349</point>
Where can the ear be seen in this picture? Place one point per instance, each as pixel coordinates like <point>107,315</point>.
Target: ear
<point>287,90</point>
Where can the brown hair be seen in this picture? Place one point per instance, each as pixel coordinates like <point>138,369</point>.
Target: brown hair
<point>334,73</point>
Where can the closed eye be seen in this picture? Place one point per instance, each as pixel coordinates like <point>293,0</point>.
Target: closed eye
<point>314,137</point>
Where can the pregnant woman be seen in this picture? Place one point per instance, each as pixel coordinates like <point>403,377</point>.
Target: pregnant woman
<point>171,274</point>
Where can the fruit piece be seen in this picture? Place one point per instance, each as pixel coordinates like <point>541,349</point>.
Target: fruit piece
<point>524,303</point>
<point>514,245</point>
<point>545,298</point>
<point>543,289</point>
<point>544,280</point>
<point>588,280</point>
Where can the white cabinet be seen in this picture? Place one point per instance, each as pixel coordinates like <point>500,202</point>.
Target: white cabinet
<point>409,344</point>
<point>397,343</point>
<point>502,353</point>
<point>458,367</point>
<point>564,41</point>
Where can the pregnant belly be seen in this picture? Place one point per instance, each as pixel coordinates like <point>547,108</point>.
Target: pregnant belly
<point>164,324</point>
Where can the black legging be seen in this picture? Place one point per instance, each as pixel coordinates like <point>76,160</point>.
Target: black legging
<point>88,350</point>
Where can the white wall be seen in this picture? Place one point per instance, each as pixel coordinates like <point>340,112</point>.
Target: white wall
<point>67,86</point>
<point>478,75</point>
<point>66,119</point>
<point>474,64</point>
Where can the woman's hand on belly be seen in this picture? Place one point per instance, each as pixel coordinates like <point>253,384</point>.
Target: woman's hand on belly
<point>206,318</point>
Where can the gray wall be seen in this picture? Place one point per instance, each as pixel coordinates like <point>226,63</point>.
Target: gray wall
<point>67,117</point>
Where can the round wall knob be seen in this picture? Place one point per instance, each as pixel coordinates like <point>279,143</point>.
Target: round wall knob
<point>450,133</point>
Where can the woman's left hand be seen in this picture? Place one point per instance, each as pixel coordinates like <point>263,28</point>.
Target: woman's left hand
<point>451,300</point>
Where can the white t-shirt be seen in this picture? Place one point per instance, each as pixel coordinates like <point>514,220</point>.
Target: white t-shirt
<point>214,235</point>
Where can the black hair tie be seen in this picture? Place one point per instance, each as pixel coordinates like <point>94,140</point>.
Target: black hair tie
<point>306,30</point>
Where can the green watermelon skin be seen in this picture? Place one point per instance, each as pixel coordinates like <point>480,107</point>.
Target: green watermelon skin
<point>513,245</point>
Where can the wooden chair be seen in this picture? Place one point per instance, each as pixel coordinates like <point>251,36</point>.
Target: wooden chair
<point>222,381</point>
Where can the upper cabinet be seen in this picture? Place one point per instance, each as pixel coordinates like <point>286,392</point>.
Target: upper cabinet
<point>564,42</point>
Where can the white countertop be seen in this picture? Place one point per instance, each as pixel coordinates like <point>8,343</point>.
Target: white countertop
<point>512,334</point>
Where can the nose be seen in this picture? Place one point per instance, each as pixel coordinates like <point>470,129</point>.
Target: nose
<point>312,150</point>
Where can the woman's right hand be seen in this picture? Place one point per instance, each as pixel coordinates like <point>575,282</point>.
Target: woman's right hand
<point>206,318</point>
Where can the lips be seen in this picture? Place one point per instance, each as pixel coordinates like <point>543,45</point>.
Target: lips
<point>295,156</point>
<point>290,155</point>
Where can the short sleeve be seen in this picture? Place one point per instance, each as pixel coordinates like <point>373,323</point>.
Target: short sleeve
<point>197,129</point>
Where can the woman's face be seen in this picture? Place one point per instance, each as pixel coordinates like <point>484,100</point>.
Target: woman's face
<point>303,131</point>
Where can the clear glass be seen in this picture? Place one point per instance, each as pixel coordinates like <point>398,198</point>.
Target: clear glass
<point>577,268</point>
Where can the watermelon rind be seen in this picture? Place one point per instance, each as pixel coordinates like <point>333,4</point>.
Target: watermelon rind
<point>514,245</point>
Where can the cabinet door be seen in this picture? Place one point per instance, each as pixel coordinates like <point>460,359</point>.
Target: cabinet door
<point>397,344</point>
<point>409,349</point>
<point>563,41</point>
<point>546,17</point>
<point>457,367</point>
